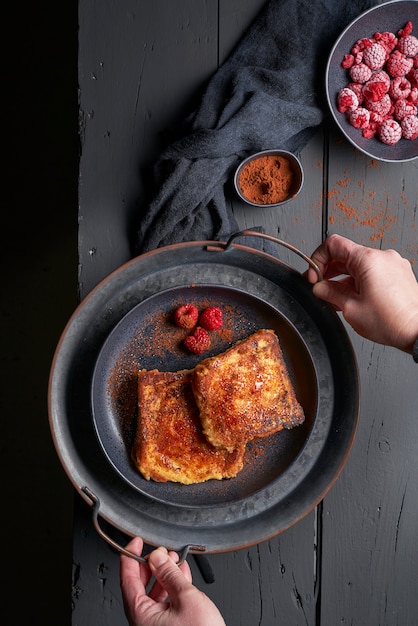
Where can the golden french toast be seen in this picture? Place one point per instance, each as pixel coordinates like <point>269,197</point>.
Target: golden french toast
<point>245,392</point>
<point>169,443</point>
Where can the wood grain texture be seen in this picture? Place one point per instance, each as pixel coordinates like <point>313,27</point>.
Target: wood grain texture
<point>370,556</point>
<point>354,559</point>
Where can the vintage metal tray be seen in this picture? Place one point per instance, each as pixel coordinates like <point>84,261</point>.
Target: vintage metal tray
<point>124,324</point>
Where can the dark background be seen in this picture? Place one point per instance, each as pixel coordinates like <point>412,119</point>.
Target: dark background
<point>39,293</point>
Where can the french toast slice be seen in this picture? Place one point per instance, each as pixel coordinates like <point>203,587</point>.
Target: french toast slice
<point>245,392</point>
<point>169,443</point>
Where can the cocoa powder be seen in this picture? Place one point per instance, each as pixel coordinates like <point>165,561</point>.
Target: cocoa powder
<point>266,179</point>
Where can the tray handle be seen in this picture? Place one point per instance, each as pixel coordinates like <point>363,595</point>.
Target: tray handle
<point>257,233</point>
<point>95,503</point>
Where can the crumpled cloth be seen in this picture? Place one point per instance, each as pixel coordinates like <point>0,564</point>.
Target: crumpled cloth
<point>269,93</point>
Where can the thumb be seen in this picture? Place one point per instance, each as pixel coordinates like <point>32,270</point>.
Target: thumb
<point>167,573</point>
<point>333,291</point>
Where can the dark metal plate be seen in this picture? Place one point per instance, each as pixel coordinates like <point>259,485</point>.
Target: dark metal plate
<point>147,338</point>
<point>284,479</point>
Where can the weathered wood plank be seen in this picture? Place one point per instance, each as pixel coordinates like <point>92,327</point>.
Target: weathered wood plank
<point>370,548</point>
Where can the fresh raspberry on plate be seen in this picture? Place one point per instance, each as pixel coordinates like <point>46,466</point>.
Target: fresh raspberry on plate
<point>211,318</point>
<point>197,342</point>
<point>186,316</point>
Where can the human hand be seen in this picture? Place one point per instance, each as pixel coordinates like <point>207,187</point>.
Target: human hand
<point>378,294</point>
<point>172,600</point>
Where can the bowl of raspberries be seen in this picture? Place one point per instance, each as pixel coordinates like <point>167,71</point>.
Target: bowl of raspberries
<point>372,81</point>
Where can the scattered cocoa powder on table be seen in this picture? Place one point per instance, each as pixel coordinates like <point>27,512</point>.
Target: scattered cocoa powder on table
<point>266,179</point>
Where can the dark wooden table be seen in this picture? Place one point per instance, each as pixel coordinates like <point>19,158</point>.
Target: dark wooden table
<point>354,559</point>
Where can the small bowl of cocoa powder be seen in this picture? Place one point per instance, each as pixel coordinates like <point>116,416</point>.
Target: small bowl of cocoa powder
<point>269,178</point>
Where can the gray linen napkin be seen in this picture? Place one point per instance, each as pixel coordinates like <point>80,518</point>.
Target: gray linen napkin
<point>270,93</point>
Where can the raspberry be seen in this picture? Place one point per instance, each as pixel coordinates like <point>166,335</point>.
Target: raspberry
<point>406,30</point>
<point>400,87</point>
<point>375,56</point>
<point>359,118</point>
<point>413,96</point>
<point>408,45</point>
<point>346,100</point>
<point>398,64</point>
<point>409,126</point>
<point>211,318</point>
<point>404,109</point>
<point>376,118</point>
<point>374,90</point>
<point>387,40</point>
<point>361,45</point>
<point>347,61</point>
<point>370,131</point>
<point>382,77</point>
<point>360,73</point>
<point>383,106</point>
<point>186,316</point>
<point>390,132</point>
<point>412,76</point>
<point>198,342</point>
<point>358,90</point>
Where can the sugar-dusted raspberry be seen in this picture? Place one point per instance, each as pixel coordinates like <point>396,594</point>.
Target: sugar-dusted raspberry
<point>361,44</point>
<point>359,118</point>
<point>198,342</point>
<point>412,76</point>
<point>403,109</point>
<point>346,100</point>
<point>347,61</point>
<point>383,106</point>
<point>406,30</point>
<point>408,45</point>
<point>382,77</point>
<point>398,64</point>
<point>387,40</point>
<point>413,96</point>
<point>360,73</point>
<point>409,126</point>
<point>376,118</point>
<point>390,132</point>
<point>374,90</point>
<point>186,316</point>
<point>358,90</point>
<point>369,131</point>
<point>375,56</point>
<point>400,87</point>
<point>211,318</point>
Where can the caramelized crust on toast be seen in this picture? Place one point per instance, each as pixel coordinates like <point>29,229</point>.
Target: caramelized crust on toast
<point>169,443</point>
<point>245,392</point>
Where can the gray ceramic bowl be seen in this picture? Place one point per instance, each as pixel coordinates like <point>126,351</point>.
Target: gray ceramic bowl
<point>285,158</point>
<point>390,16</point>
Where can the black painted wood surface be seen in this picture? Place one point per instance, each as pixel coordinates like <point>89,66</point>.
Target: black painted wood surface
<point>354,560</point>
